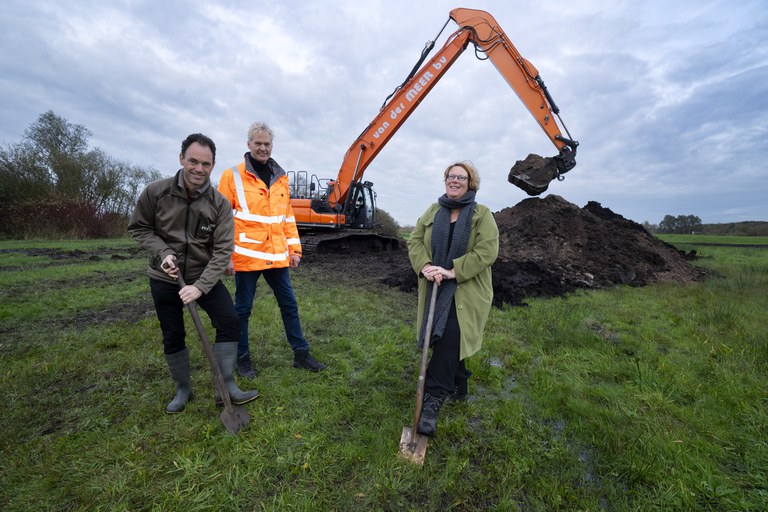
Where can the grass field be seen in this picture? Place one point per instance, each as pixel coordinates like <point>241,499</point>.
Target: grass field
<point>639,399</point>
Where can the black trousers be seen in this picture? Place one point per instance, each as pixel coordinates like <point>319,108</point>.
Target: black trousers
<point>217,303</point>
<point>445,369</point>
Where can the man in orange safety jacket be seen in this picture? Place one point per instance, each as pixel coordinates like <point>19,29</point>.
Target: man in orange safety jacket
<point>266,243</point>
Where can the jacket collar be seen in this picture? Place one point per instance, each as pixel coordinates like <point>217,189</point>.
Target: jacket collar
<point>277,171</point>
<point>197,193</point>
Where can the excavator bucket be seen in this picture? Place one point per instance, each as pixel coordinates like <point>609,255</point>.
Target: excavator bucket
<point>534,173</point>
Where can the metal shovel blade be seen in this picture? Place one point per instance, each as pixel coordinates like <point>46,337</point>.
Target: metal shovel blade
<point>413,448</point>
<point>234,418</point>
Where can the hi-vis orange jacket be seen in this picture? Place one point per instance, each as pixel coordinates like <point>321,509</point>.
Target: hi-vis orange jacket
<point>265,230</point>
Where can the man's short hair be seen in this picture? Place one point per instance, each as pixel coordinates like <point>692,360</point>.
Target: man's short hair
<point>260,127</point>
<point>200,139</point>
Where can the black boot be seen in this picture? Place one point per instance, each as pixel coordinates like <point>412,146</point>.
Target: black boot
<point>245,368</point>
<point>302,359</point>
<point>429,410</point>
<point>178,365</point>
<point>461,390</point>
<point>226,353</point>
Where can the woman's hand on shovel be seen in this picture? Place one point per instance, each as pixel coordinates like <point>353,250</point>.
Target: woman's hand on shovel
<point>436,273</point>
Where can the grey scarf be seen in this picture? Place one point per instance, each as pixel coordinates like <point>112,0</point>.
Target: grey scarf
<point>443,255</point>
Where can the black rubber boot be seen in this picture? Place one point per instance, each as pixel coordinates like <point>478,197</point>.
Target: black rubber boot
<point>245,368</point>
<point>302,359</point>
<point>178,365</point>
<point>430,409</point>
<point>226,353</point>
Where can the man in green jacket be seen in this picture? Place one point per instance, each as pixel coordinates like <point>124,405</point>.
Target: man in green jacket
<point>186,226</point>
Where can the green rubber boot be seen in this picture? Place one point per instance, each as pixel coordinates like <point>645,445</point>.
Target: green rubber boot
<point>226,357</point>
<point>178,365</point>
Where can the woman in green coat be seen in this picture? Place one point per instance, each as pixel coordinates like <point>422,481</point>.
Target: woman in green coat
<point>454,244</point>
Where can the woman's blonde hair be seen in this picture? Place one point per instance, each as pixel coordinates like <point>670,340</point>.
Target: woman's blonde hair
<point>474,176</point>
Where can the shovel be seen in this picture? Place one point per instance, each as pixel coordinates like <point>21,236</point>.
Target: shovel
<point>412,445</point>
<point>234,417</point>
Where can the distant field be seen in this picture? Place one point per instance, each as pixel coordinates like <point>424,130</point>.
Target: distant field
<point>738,241</point>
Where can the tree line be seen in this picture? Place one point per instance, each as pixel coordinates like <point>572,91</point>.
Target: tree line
<point>691,224</point>
<point>53,184</point>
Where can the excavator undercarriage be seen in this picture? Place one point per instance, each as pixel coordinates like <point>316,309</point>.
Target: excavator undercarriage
<point>349,242</point>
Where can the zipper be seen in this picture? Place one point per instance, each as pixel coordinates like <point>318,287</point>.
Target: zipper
<point>186,239</point>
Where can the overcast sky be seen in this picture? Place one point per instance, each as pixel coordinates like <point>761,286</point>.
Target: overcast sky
<point>668,99</point>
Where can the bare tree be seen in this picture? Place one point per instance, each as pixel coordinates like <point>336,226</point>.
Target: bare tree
<point>54,167</point>
<point>54,161</point>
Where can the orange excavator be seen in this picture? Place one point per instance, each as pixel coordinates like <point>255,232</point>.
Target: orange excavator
<point>338,215</point>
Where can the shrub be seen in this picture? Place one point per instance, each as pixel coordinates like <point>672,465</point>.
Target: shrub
<point>386,223</point>
<point>61,218</point>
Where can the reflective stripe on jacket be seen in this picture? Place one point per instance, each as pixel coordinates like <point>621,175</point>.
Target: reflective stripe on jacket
<point>265,230</point>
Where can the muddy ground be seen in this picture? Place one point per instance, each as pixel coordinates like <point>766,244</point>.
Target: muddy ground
<point>547,248</point>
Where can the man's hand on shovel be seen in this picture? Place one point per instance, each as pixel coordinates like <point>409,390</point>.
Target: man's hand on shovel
<point>188,293</point>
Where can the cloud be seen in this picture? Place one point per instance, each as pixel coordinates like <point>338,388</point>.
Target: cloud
<point>667,101</point>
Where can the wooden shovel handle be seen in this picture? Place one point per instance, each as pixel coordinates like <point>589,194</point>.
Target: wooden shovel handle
<point>424,359</point>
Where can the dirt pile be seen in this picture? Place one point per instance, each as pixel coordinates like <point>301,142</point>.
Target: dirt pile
<point>547,247</point>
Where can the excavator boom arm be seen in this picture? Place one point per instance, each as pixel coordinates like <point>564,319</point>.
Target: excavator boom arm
<point>394,113</point>
<point>482,30</point>
<point>519,74</point>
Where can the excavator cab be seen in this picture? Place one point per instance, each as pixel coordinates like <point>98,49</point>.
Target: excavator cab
<point>361,209</point>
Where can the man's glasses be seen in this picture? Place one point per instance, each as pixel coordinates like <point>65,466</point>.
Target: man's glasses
<point>452,177</point>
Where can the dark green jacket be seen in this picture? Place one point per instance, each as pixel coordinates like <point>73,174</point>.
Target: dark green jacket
<point>200,231</point>
<point>474,294</point>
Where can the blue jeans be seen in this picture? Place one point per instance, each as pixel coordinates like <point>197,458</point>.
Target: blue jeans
<point>279,279</point>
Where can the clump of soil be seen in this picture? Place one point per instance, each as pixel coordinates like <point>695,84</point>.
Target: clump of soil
<point>547,248</point>
<point>533,174</point>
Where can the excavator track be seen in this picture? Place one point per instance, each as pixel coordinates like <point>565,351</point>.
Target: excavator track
<point>349,242</point>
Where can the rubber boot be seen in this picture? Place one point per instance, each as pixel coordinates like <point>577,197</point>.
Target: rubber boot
<point>178,365</point>
<point>226,354</point>
<point>302,359</point>
<point>429,411</point>
<point>245,367</point>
